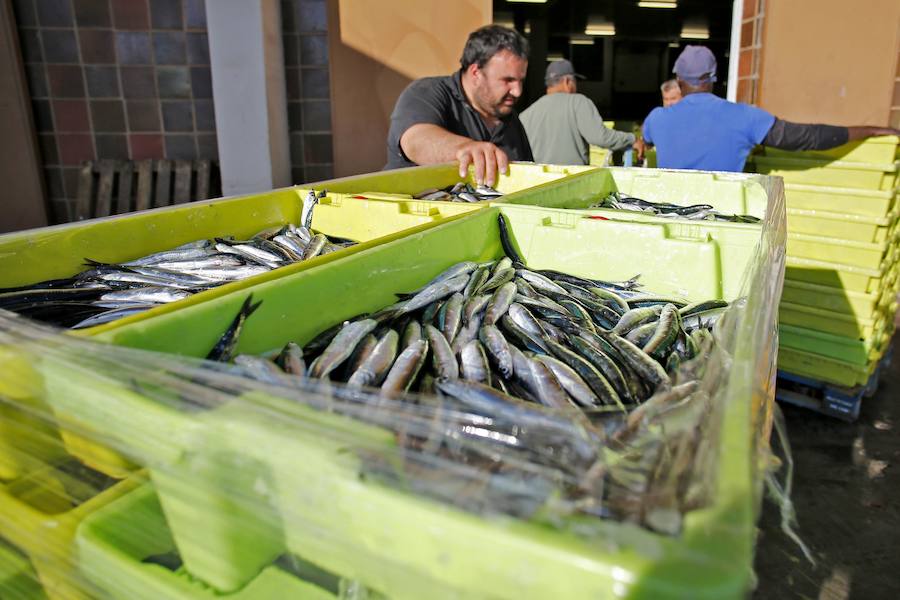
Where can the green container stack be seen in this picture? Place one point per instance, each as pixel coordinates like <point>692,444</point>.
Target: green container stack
<point>839,302</point>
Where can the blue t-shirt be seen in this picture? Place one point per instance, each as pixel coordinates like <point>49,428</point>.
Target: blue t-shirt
<point>705,132</point>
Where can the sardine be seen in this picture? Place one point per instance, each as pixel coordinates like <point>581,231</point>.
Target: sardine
<point>223,350</point>
<point>341,347</point>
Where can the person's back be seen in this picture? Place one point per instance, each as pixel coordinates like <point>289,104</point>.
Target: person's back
<point>703,131</point>
<point>551,125</point>
<point>562,123</point>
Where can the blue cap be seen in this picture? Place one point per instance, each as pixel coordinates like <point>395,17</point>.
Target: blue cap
<point>696,65</point>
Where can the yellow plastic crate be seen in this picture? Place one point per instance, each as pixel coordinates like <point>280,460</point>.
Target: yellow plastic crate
<point>866,255</point>
<point>40,512</point>
<point>851,201</point>
<point>599,157</point>
<point>852,350</point>
<point>881,149</point>
<point>859,228</point>
<point>847,302</point>
<point>829,370</point>
<point>17,578</point>
<point>832,322</point>
<point>870,176</point>
<point>399,183</point>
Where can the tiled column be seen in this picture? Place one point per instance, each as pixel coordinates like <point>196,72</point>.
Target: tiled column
<point>249,93</point>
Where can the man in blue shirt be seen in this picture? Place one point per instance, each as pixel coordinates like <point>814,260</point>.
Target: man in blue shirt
<point>708,133</point>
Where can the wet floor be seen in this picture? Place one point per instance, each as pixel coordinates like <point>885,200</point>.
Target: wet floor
<point>847,498</point>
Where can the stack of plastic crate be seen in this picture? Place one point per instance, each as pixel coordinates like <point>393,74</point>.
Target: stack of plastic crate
<point>841,281</point>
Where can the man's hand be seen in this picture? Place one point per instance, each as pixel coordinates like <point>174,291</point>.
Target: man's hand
<point>639,149</point>
<point>488,160</point>
<point>863,132</point>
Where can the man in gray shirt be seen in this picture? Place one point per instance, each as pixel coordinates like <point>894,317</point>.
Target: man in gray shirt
<point>561,124</point>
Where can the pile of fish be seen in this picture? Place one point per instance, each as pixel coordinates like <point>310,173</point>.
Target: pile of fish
<point>460,192</point>
<point>695,212</point>
<point>107,292</point>
<point>505,333</point>
<point>535,380</point>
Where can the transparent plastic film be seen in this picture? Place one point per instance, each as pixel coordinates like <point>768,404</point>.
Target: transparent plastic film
<point>332,468</point>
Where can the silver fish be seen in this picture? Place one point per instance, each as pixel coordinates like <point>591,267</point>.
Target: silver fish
<point>406,368</point>
<point>341,347</point>
<point>436,291</point>
<point>497,348</point>
<point>474,362</point>
<point>376,366</point>
<point>499,303</point>
<point>316,244</point>
<point>156,295</point>
<point>444,361</point>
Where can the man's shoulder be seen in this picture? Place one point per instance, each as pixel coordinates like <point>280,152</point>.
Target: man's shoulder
<point>431,85</point>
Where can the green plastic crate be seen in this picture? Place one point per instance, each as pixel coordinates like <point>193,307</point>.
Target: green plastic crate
<point>522,177</point>
<point>870,176</point>
<point>828,370</point>
<point>859,228</point>
<point>832,322</point>
<point>852,350</point>
<point>881,149</point>
<point>55,252</point>
<point>851,201</point>
<point>114,542</point>
<point>17,579</point>
<point>39,513</point>
<point>447,553</point>
<point>734,193</point>
<point>866,255</point>
<point>835,275</point>
<point>842,301</point>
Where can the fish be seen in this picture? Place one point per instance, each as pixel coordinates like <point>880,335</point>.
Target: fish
<point>443,358</point>
<point>406,368</point>
<point>499,303</point>
<point>375,367</point>
<point>497,349</point>
<point>474,362</point>
<point>223,350</point>
<point>290,359</point>
<point>341,347</point>
<point>436,291</point>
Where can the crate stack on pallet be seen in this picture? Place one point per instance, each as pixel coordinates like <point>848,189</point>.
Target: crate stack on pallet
<point>841,280</point>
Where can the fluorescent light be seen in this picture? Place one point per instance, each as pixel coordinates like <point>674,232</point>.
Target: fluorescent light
<point>699,33</point>
<point>597,30</point>
<point>674,44</point>
<point>555,57</point>
<point>529,1</point>
<point>581,40</point>
<point>658,4</point>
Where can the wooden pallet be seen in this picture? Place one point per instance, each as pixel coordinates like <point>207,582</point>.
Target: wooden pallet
<point>108,187</point>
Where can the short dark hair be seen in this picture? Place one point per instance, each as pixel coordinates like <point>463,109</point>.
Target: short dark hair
<point>485,42</point>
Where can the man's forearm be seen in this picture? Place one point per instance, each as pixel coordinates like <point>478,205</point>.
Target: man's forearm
<point>428,144</point>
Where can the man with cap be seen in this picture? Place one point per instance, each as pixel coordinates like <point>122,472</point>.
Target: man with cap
<point>708,133</point>
<point>467,117</point>
<point>561,124</point>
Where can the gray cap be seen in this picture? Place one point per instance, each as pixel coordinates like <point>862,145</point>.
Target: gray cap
<point>694,64</point>
<point>559,68</point>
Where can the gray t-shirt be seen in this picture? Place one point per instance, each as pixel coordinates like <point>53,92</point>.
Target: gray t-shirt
<point>560,127</point>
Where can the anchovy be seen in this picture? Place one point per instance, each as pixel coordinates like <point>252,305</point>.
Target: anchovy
<point>443,358</point>
<point>341,347</point>
<point>436,291</point>
<point>376,366</point>
<point>316,244</point>
<point>156,295</point>
<point>499,303</point>
<point>667,329</point>
<point>223,350</point>
<point>474,362</point>
<point>406,368</point>
<point>497,349</point>
<point>450,316</point>
<point>290,359</point>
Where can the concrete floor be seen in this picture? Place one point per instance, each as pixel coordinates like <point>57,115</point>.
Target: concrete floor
<point>847,498</point>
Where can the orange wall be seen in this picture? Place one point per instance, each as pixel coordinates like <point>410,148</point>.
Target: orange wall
<point>830,61</point>
<point>376,49</point>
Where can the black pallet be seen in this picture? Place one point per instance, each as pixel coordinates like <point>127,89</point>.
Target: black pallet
<point>827,398</point>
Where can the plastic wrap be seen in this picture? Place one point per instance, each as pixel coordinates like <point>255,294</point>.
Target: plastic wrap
<point>300,488</point>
